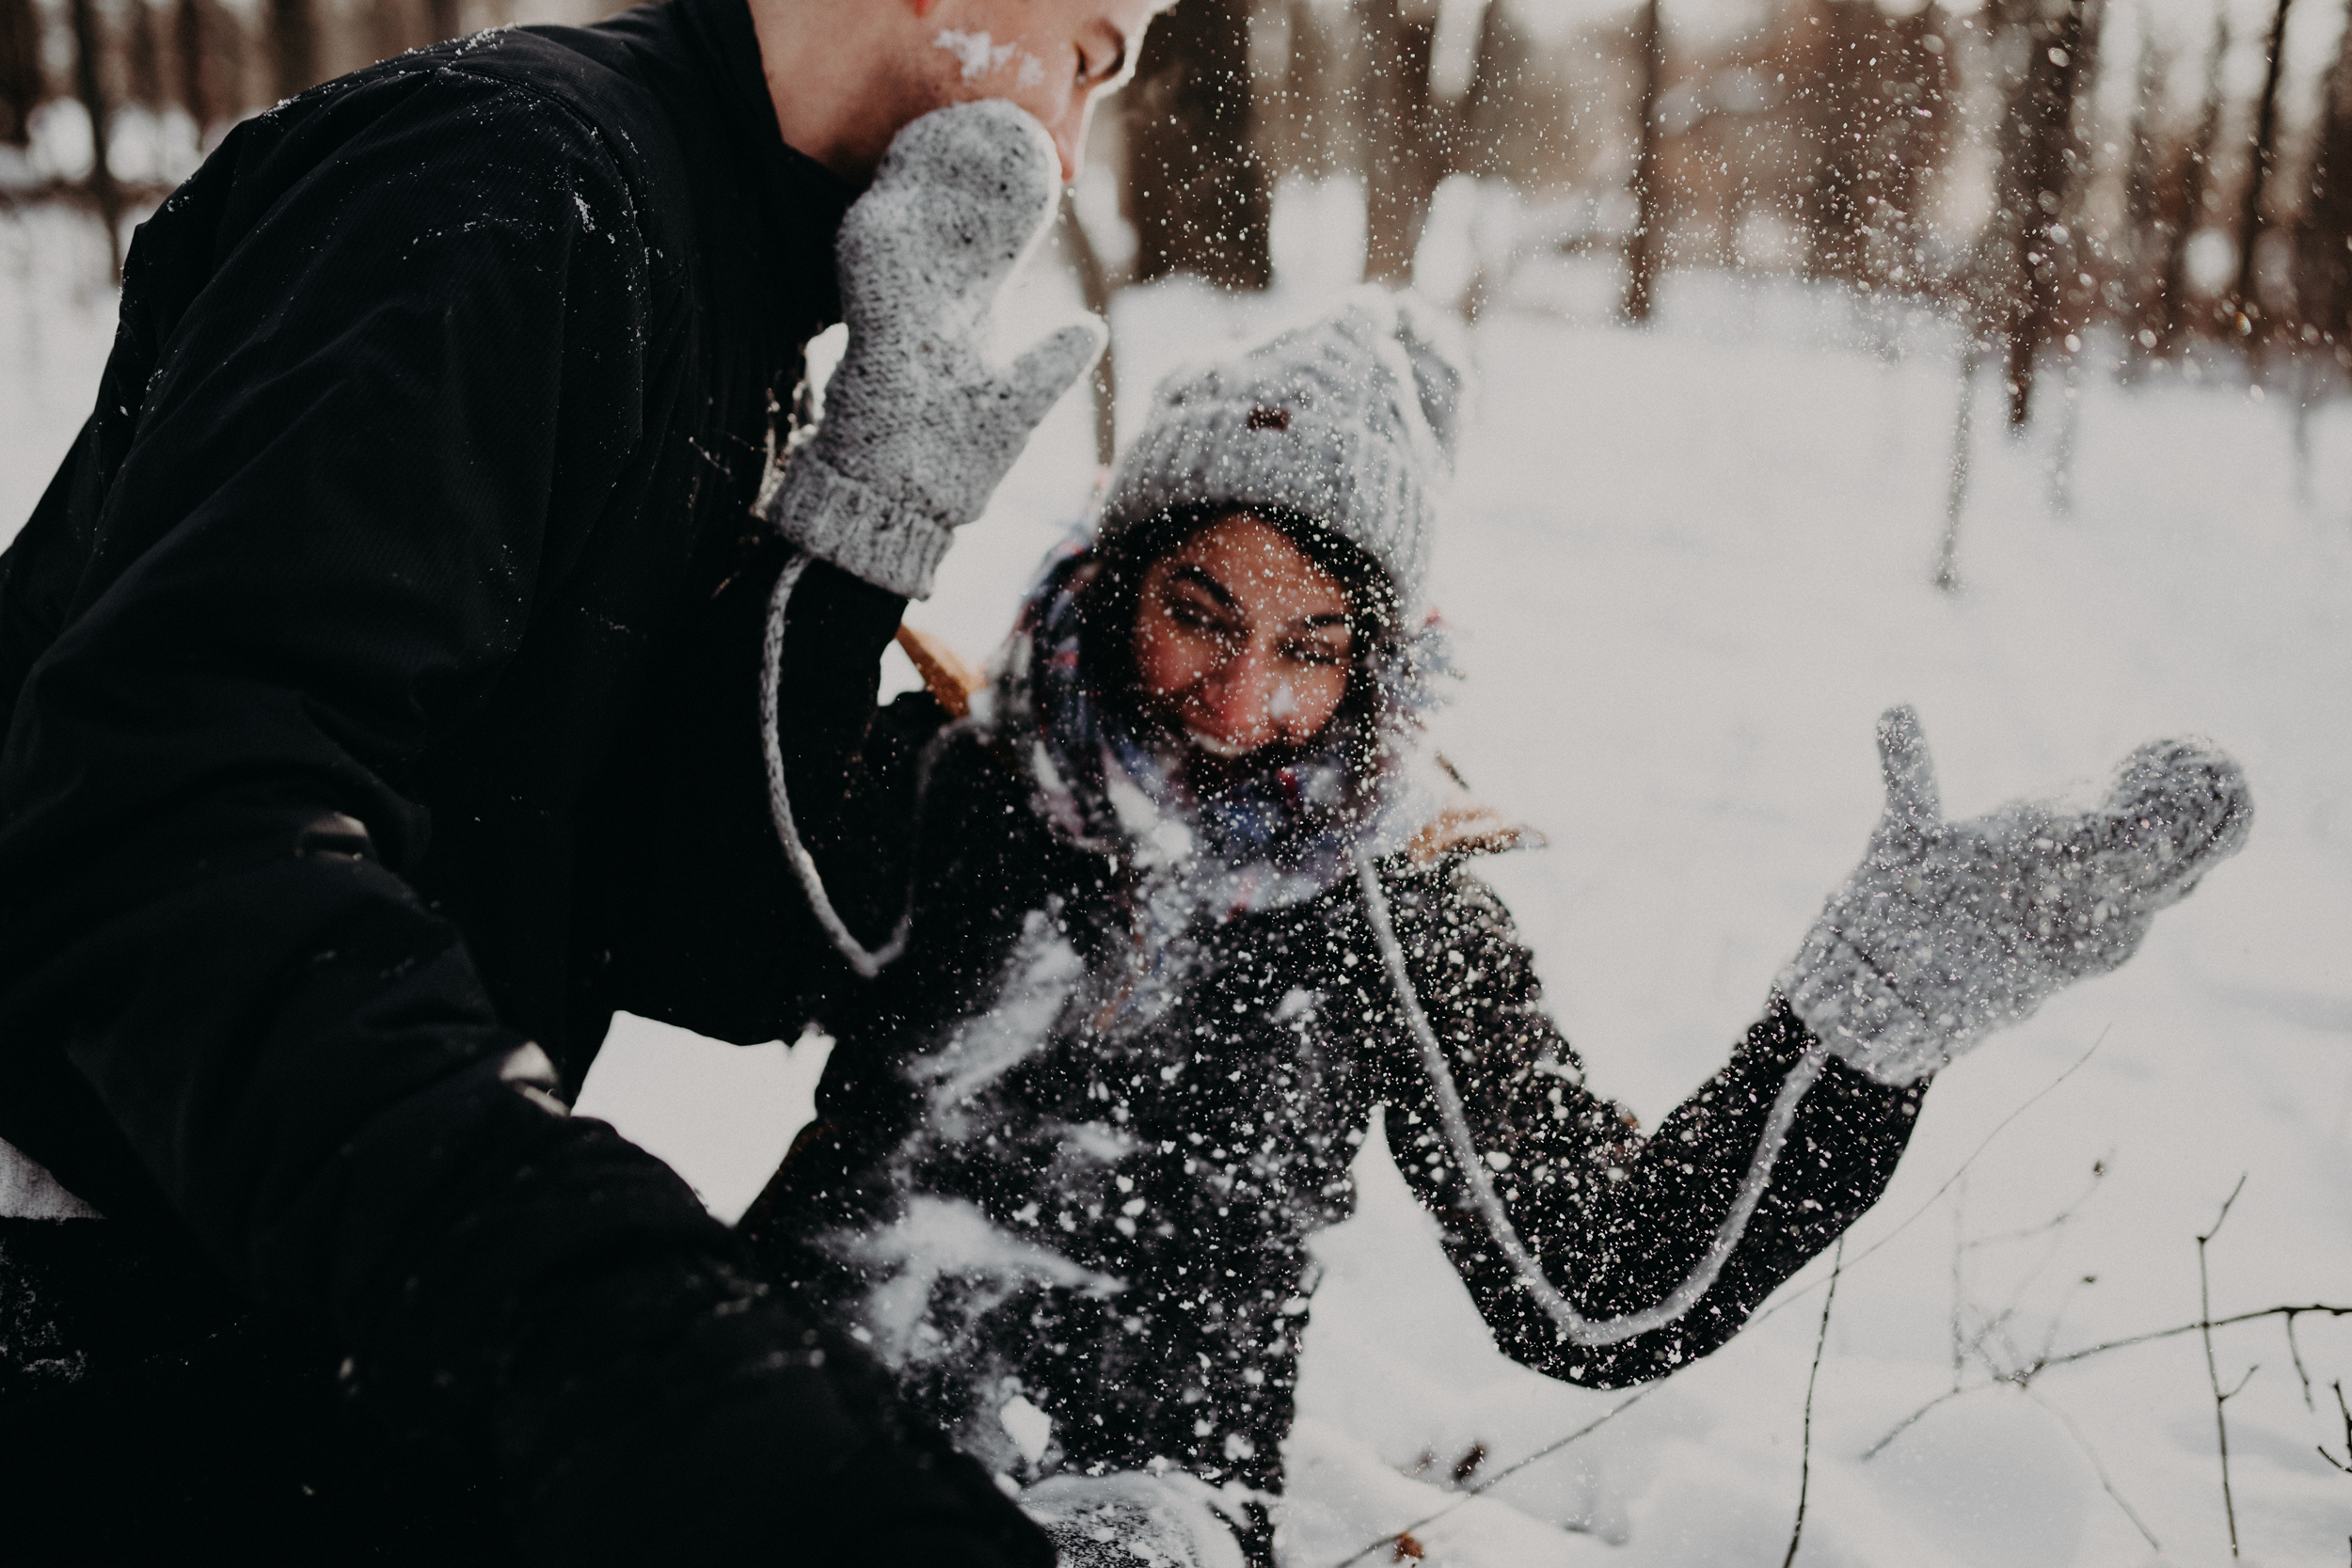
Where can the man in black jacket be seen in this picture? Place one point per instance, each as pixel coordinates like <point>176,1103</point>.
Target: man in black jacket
<point>380,678</point>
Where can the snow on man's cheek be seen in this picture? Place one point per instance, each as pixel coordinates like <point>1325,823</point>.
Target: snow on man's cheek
<point>981,58</point>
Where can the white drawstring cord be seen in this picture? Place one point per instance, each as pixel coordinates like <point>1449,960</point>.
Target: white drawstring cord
<point>1454,1121</point>
<point>867,963</point>
<point>1573,1326</point>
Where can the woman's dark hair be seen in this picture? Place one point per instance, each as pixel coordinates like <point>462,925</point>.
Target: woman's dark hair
<point>1107,604</point>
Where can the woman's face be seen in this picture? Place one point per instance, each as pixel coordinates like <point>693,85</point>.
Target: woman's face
<point>1241,640</point>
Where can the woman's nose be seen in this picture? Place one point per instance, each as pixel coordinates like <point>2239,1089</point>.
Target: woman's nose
<point>1238,699</point>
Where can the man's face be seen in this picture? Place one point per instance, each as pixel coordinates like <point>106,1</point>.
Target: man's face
<point>1053,57</point>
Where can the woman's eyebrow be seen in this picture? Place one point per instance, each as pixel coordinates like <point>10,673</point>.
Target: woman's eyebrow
<point>1199,577</point>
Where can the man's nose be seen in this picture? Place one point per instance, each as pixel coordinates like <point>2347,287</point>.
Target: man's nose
<point>1069,130</point>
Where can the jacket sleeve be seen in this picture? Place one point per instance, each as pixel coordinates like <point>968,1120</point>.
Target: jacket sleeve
<point>1617,1219</point>
<point>699,933</point>
<point>413,373</point>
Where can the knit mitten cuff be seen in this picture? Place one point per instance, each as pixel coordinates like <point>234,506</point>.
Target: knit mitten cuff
<point>1854,1010</point>
<point>855,527</point>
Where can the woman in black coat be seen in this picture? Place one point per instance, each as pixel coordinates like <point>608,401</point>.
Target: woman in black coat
<point>1182,920</point>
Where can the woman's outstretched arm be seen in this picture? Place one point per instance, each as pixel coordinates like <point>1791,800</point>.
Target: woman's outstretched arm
<point>1617,1220</point>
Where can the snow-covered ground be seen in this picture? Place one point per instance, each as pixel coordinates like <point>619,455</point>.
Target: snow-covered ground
<point>1688,567</point>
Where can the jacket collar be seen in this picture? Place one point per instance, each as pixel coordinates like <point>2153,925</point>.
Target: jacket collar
<point>802,201</point>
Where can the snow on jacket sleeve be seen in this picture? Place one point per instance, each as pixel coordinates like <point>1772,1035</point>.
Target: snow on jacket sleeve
<point>1617,1218</point>
<point>334,479</point>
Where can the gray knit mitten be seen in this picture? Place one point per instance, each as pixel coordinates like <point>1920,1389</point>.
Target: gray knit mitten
<point>919,425</point>
<point>1133,1520</point>
<point>1949,930</point>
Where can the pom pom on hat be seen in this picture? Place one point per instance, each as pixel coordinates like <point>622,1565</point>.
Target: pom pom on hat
<point>1351,419</point>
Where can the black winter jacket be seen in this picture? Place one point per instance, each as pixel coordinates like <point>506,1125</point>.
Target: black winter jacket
<point>1026,1177</point>
<point>379,684</point>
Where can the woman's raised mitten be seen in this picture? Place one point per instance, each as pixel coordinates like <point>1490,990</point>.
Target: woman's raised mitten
<point>920,424</point>
<point>1130,1519</point>
<point>1949,930</point>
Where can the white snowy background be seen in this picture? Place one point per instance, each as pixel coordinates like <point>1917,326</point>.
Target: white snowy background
<point>1688,566</point>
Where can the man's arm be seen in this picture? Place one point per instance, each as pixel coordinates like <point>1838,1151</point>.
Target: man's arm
<point>395,408</point>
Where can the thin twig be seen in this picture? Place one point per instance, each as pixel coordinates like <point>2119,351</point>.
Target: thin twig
<point>1804,1457</point>
<point>1594,1425</point>
<point>2347,1411</point>
<point>2224,1219</point>
<point>2098,1468</point>
<point>1960,1292</point>
<point>1955,486</point>
<point>1792,1297</point>
<point>2322,1309</point>
<point>2213,1373</point>
<point>2098,1174</point>
<point>2297,1351</point>
<point>2023,1377</point>
<point>1915,1416</point>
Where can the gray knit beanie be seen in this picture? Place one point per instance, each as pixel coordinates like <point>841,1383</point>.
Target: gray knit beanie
<point>1350,421</point>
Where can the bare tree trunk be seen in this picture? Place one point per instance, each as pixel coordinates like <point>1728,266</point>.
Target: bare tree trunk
<point>21,86</point>
<point>2140,178</point>
<point>195,91</point>
<point>1649,195</point>
<point>2076,255</point>
<point>1836,125</point>
<point>443,18</point>
<point>1404,141</point>
<point>88,47</point>
<point>2250,226</point>
<point>1956,489</point>
<point>294,45</point>
<point>1196,191</point>
<point>2032,186</point>
<point>2194,173</point>
<point>142,56</point>
<point>2323,272</point>
<point>1313,98</point>
<point>1498,89</point>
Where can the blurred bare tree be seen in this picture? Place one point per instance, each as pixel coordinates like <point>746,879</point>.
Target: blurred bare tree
<point>2141,239</point>
<point>1196,191</point>
<point>143,57</point>
<point>1816,140</point>
<point>2039,46</point>
<point>1505,93</point>
<point>1869,118</point>
<point>2191,189</point>
<point>293,46</point>
<point>89,58</point>
<point>2244,297</point>
<point>21,83</point>
<point>1649,188</point>
<point>1401,136</point>
<point>2323,238</point>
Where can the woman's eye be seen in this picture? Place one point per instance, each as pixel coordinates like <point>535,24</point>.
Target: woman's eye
<point>1188,612</point>
<point>1316,653</point>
